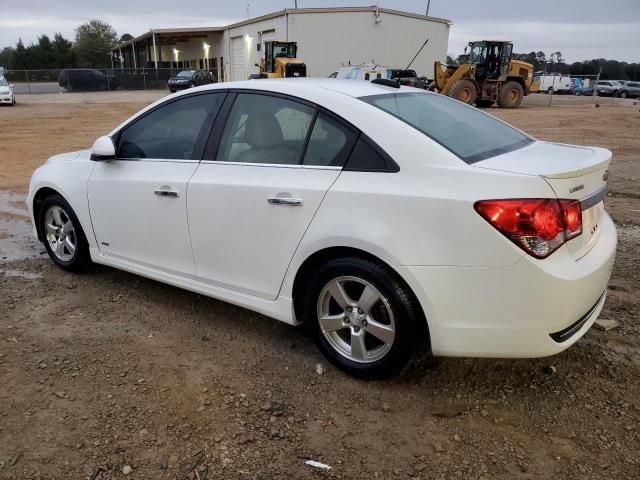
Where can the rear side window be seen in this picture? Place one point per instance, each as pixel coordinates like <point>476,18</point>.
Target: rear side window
<point>329,144</point>
<point>265,129</point>
<point>465,131</point>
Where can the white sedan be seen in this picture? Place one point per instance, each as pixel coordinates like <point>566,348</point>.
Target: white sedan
<point>387,219</point>
<point>7,94</point>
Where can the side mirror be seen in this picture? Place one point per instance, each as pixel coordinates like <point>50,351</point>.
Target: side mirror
<point>103,150</point>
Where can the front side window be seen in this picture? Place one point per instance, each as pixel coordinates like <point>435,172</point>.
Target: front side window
<point>3,82</point>
<point>170,131</point>
<point>465,131</point>
<point>478,53</point>
<point>265,129</point>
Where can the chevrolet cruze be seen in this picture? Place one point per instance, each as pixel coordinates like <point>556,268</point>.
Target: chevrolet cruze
<point>387,219</point>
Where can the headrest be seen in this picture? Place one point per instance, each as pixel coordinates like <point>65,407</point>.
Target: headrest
<point>263,130</point>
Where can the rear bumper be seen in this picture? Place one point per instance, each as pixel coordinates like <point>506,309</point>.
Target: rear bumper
<point>515,311</point>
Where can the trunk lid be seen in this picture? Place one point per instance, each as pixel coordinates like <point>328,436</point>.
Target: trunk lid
<point>573,172</point>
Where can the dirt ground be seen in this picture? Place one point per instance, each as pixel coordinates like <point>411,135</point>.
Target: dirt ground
<point>105,372</point>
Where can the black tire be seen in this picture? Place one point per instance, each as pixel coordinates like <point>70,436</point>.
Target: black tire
<point>550,90</point>
<point>510,95</point>
<point>464,90</point>
<point>172,91</point>
<point>484,103</point>
<point>623,94</point>
<point>395,295</point>
<point>577,94</point>
<point>191,85</point>
<point>81,258</point>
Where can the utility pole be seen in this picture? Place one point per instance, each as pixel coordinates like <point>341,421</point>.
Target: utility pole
<point>428,5</point>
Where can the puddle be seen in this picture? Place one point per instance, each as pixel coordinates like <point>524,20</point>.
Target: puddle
<point>13,203</point>
<point>20,274</point>
<point>16,240</point>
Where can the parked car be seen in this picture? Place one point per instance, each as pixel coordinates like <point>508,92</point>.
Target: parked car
<point>7,93</point>
<point>386,218</point>
<point>583,91</point>
<point>630,89</point>
<point>188,79</point>
<point>86,80</point>
<point>608,88</point>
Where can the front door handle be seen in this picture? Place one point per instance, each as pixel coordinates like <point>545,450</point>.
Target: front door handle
<point>294,202</point>
<point>167,193</point>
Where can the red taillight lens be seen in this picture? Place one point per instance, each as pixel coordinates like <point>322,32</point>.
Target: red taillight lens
<point>537,225</point>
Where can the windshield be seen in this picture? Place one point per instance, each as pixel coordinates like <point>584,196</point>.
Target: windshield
<point>466,131</point>
<point>3,82</point>
<point>186,73</point>
<point>478,53</point>
<point>284,50</point>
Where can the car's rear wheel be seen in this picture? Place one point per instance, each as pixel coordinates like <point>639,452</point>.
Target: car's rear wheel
<point>623,94</point>
<point>363,318</point>
<point>63,236</point>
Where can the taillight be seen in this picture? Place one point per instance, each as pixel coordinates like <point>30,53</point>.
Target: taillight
<point>537,225</point>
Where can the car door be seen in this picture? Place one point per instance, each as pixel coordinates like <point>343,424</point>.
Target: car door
<point>266,170</point>
<point>138,201</point>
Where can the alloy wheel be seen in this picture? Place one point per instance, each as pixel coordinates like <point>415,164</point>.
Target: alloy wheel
<point>60,234</point>
<point>356,319</point>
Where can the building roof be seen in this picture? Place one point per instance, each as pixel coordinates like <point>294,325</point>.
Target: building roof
<point>185,32</point>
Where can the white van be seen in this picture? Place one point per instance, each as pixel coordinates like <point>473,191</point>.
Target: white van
<point>554,83</point>
<point>362,72</point>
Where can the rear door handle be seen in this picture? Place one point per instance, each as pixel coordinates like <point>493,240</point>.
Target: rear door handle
<point>294,202</point>
<point>167,193</point>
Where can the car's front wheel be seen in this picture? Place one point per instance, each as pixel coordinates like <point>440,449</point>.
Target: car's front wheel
<point>63,236</point>
<point>363,318</point>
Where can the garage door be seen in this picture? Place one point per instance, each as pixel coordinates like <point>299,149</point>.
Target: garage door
<point>238,59</point>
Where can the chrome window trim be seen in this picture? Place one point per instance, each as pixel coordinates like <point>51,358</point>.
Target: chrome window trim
<point>164,160</point>
<point>272,165</point>
<point>595,198</point>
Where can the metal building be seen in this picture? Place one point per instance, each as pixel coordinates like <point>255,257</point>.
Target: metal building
<point>327,39</point>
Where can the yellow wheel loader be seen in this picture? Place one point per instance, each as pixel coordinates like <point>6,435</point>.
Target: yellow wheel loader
<point>279,60</point>
<point>491,76</point>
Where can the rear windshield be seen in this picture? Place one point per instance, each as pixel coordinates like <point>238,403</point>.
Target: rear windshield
<point>465,131</point>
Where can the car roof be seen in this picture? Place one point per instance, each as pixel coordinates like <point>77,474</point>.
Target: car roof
<point>351,88</point>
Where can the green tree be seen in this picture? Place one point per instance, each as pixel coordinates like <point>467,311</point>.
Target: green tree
<point>94,41</point>
<point>125,37</point>
<point>63,52</point>
<point>6,57</point>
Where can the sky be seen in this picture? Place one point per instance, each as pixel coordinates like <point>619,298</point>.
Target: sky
<point>580,29</point>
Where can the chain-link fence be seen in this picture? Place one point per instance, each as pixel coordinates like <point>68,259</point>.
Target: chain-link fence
<point>91,80</point>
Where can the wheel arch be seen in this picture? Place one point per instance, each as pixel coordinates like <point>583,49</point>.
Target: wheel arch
<point>38,200</point>
<point>313,261</point>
